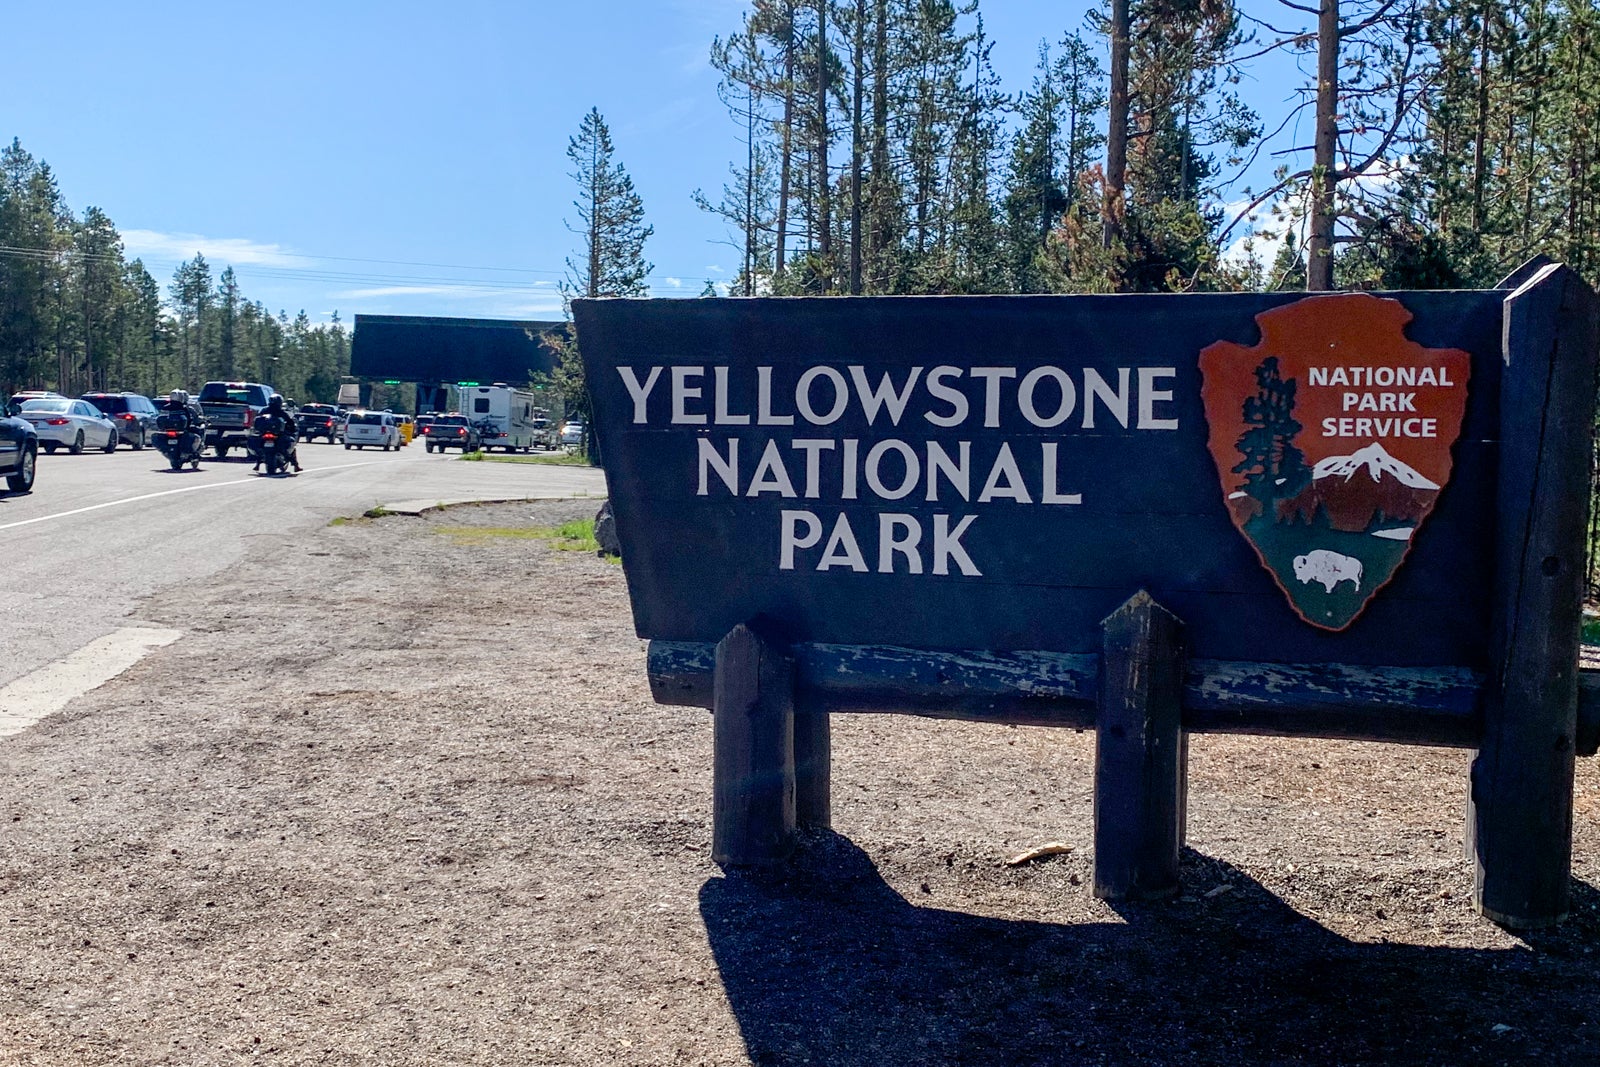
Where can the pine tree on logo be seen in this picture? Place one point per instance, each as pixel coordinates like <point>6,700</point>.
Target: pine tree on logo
<point>1273,467</point>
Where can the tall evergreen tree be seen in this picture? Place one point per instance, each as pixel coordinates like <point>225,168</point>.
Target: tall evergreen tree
<point>610,218</point>
<point>191,298</point>
<point>227,300</point>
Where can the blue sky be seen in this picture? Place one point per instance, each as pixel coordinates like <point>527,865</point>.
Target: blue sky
<point>397,157</point>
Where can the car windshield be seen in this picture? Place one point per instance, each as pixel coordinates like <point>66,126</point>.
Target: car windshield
<point>319,409</point>
<point>366,418</point>
<point>230,393</point>
<point>53,407</point>
<point>451,420</point>
<point>108,404</point>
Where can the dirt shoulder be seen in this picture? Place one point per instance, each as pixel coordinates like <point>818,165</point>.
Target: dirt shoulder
<point>400,796</point>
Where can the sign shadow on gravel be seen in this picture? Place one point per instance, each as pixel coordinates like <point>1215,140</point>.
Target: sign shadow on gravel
<point>824,963</point>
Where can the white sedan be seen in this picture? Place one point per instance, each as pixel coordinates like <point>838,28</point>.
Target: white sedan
<point>70,424</point>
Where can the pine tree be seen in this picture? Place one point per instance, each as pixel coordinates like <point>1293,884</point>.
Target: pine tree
<point>1274,468</point>
<point>97,275</point>
<point>192,297</point>
<point>228,322</point>
<point>34,226</point>
<point>611,223</point>
<point>610,218</point>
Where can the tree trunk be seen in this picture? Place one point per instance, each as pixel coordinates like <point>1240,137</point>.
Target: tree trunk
<point>1319,243</point>
<point>751,222</point>
<point>856,147</point>
<point>824,214</point>
<point>1117,128</point>
<point>594,217</point>
<point>1481,128</point>
<point>1539,73</point>
<point>878,230</point>
<point>786,151</point>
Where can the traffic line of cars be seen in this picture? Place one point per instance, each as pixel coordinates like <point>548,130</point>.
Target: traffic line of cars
<point>36,421</point>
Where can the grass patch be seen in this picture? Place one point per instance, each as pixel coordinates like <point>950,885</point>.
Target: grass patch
<point>371,513</point>
<point>472,457</point>
<point>575,537</point>
<point>568,537</point>
<point>1591,631</point>
<point>549,459</point>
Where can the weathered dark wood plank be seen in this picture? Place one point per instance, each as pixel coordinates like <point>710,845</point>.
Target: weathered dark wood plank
<point>813,770</point>
<point>1411,705</point>
<point>1588,736</point>
<point>1521,795</point>
<point>753,788</point>
<point>1139,754</point>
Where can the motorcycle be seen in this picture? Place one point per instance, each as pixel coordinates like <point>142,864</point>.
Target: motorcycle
<point>178,441</point>
<point>270,443</point>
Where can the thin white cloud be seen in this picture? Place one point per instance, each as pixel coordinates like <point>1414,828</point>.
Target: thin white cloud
<point>408,290</point>
<point>676,283</point>
<point>153,244</point>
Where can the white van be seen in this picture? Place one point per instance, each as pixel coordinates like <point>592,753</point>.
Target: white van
<point>376,428</point>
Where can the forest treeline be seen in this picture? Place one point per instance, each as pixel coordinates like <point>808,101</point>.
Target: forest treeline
<point>77,315</point>
<point>1433,145</point>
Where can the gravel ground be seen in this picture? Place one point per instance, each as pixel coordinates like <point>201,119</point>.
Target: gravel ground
<point>400,797</point>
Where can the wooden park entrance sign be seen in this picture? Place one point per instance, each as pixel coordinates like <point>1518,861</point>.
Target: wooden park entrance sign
<point>1346,515</point>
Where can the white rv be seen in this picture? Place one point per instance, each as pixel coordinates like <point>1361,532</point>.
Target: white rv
<point>505,417</point>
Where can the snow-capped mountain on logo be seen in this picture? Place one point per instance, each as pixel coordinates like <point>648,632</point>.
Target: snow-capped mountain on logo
<point>1378,463</point>
<point>1356,490</point>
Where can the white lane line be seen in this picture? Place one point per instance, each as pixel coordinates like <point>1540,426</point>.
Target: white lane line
<point>168,492</point>
<point>51,688</point>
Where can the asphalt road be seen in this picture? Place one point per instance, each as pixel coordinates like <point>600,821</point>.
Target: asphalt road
<point>99,531</point>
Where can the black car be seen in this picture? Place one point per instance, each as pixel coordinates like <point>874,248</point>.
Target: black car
<point>318,420</point>
<point>19,450</point>
<point>133,413</point>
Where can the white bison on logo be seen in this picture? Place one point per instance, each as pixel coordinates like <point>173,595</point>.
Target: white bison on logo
<point>1329,568</point>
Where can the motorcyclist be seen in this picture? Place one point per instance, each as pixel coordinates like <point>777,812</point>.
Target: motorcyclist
<point>178,402</point>
<point>275,409</point>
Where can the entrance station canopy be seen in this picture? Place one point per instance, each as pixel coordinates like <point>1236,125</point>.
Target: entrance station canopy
<point>413,348</point>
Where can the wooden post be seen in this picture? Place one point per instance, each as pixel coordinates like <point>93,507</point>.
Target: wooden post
<point>1520,817</point>
<point>753,773</point>
<point>1139,772</point>
<point>813,754</point>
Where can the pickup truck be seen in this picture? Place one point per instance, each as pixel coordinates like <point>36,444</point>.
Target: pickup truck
<point>318,420</point>
<point>231,409</point>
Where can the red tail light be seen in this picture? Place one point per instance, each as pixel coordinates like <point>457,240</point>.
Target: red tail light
<point>249,416</point>
<point>172,433</point>
<point>462,431</point>
<point>128,417</point>
<point>268,437</point>
<point>55,422</point>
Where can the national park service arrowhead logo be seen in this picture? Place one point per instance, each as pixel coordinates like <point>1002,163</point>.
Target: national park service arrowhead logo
<point>1332,437</point>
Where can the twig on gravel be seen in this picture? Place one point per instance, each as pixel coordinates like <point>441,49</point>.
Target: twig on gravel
<point>1049,848</point>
